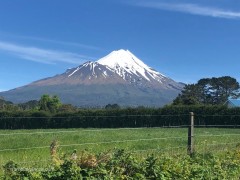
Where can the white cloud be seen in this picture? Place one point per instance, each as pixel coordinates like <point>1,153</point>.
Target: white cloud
<point>34,38</point>
<point>62,42</point>
<point>42,55</point>
<point>192,9</point>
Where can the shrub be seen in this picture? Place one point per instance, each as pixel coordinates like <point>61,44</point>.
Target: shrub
<point>119,164</point>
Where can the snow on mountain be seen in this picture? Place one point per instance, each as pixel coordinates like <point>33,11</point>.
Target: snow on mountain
<point>92,70</point>
<point>89,64</point>
<point>119,66</point>
<point>119,77</point>
<point>125,64</point>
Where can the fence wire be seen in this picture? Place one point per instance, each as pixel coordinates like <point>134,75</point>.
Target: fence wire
<point>210,134</point>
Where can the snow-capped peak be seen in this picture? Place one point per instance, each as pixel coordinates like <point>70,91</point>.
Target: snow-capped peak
<point>123,61</point>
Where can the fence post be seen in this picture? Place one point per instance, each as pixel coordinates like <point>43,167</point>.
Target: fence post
<point>191,135</point>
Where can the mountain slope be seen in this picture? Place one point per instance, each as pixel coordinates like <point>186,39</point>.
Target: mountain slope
<point>119,77</point>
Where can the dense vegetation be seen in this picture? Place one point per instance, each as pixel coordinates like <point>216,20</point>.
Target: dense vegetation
<point>117,118</point>
<point>209,91</point>
<point>123,165</point>
<point>205,99</point>
<point>31,147</point>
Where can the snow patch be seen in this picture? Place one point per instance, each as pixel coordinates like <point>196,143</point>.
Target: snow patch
<point>104,74</point>
<point>123,61</point>
<point>78,68</point>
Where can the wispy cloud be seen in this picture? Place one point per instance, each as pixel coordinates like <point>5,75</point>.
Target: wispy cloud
<point>53,41</point>
<point>61,42</point>
<point>42,55</point>
<point>191,9</point>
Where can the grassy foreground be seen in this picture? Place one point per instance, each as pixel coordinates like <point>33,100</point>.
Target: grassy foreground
<point>32,147</point>
<point>119,164</point>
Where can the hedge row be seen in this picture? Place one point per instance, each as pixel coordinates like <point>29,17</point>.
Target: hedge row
<point>119,118</point>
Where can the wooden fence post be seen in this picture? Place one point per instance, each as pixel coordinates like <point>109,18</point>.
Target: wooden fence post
<point>191,135</point>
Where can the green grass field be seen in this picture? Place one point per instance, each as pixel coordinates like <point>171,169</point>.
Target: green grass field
<point>32,146</point>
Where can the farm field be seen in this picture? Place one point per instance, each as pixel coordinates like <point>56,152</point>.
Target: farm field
<point>32,147</point>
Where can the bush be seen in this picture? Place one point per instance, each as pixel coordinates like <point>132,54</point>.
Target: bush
<point>120,164</point>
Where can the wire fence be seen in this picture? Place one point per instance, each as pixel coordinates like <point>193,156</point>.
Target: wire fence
<point>212,133</point>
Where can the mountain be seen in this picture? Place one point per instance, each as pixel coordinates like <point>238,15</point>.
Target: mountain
<point>119,77</point>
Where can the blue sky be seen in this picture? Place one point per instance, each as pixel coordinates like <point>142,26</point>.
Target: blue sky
<point>184,39</point>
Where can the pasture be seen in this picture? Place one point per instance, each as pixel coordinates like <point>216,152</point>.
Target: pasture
<point>32,147</point>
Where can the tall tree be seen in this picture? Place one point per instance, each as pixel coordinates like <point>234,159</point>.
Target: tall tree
<point>48,103</point>
<point>190,95</point>
<point>223,88</point>
<point>209,91</point>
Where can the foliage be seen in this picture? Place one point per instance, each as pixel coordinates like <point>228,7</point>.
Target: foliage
<point>48,103</point>
<point>67,108</point>
<point>119,118</point>
<point>209,91</point>
<point>120,164</point>
<point>2,101</point>
<point>30,105</point>
<point>7,105</point>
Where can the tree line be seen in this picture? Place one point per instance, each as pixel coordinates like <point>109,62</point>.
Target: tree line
<point>46,103</point>
<point>122,118</point>
<point>207,91</point>
<point>206,99</point>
